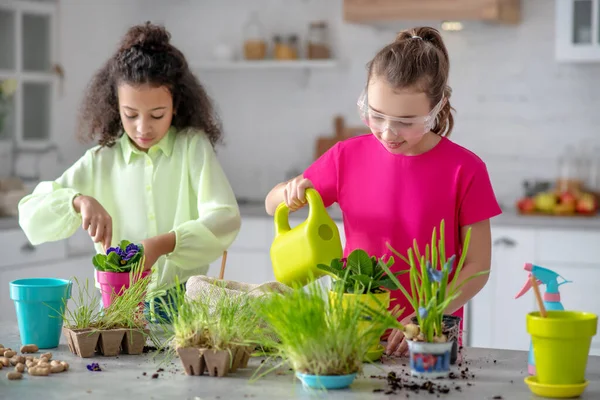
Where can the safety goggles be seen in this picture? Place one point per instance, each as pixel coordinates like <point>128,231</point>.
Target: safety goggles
<point>413,126</point>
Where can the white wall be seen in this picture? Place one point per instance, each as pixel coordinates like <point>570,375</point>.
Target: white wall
<point>88,33</point>
<point>515,104</point>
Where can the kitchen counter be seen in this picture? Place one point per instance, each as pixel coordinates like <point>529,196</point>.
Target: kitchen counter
<point>497,373</point>
<point>509,218</point>
<point>9,223</point>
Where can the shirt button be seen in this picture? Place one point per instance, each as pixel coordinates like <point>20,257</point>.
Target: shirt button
<point>151,216</point>
<point>148,187</point>
<point>148,162</point>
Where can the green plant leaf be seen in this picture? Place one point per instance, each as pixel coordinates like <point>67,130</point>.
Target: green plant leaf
<point>360,262</point>
<point>98,260</point>
<point>124,243</point>
<point>337,272</point>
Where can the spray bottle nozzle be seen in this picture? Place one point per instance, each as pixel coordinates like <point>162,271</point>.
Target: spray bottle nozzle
<point>543,276</point>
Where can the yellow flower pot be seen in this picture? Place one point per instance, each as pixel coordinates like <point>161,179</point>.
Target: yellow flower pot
<point>349,299</point>
<point>561,344</point>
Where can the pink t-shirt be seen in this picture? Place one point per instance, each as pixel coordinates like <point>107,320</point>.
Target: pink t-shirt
<point>392,198</point>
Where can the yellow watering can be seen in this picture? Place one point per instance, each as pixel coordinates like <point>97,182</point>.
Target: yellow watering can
<point>296,252</point>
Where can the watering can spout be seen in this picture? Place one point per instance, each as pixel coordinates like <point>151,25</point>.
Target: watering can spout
<point>296,252</point>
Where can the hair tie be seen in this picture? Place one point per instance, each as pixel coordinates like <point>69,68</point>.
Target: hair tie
<point>417,37</point>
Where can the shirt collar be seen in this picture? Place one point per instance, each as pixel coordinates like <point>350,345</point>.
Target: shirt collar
<point>165,145</point>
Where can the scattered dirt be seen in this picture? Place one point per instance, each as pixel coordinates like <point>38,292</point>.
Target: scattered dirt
<point>149,349</point>
<point>154,376</point>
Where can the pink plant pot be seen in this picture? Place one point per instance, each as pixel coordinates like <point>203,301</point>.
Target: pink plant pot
<point>113,284</point>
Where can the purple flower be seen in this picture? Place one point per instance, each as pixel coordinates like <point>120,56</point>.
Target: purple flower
<point>433,274</point>
<point>449,266</point>
<point>132,248</point>
<point>94,367</point>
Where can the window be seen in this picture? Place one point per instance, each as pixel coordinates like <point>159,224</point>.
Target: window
<point>27,47</point>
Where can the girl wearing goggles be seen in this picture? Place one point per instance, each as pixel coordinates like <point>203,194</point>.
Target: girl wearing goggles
<point>399,182</point>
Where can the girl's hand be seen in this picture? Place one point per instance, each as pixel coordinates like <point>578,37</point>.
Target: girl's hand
<point>397,344</point>
<point>294,193</point>
<point>95,219</point>
<point>150,252</point>
<point>158,246</point>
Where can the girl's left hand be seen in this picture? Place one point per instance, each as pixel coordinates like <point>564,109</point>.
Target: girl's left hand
<point>397,345</point>
<point>150,253</point>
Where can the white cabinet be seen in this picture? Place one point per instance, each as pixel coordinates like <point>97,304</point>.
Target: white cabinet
<point>495,318</point>
<point>578,30</point>
<point>248,258</point>
<point>28,48</point>
<point>16,249</point>
<point>79,268</point>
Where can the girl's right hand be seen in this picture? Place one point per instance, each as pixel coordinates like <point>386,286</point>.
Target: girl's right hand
<point>294,192</point>
<point>95,219</point>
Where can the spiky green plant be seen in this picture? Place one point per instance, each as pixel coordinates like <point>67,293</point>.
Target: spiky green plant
<point>126,309</point>
<point>85,312</point>
<point>319,334</point>
<point>214,320</point>
<point>431,290</point>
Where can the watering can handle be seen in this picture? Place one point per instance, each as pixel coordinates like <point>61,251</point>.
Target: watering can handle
<point>316,208</point>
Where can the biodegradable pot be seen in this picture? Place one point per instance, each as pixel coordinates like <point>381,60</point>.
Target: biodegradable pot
<point>192,360</point>
<point>429,360</point>
<point>350,300</point>
<point>450,328</point>
<point>237,353</point>
<point>246,354</point>
<point>561,345</point>
<point>218,362</point>
<point>82,342</point>
<point>110,342</point>
<point>329,382</point>
<point>134,341</point>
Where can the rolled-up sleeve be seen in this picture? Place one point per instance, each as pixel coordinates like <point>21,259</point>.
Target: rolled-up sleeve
<point>47,214</point>
<point>203,240</point>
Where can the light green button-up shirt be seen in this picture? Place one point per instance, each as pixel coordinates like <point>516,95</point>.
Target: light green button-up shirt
<point>177,186</point>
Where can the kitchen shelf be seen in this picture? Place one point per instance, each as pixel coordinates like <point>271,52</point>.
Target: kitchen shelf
<point>268,64</point>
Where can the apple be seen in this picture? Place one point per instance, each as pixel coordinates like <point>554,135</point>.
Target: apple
<point>545,201</point>
<point>567,198</point>
<point>586,204</point>
<point>526,205</point>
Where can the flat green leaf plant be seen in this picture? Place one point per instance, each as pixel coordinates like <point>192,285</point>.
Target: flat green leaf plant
<point>317,334</point>
<point>431,290</point>
<point>359,273</point>
<point>125,257</point>
<point>214,320</point>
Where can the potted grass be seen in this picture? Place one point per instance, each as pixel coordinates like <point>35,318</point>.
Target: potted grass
<point>431,292</point>
<point>114,269</point>
<point>81,321</point>
<point>319,336</point>
<point>214,332</point>
<point>361,278</point>
<point>119,328</point>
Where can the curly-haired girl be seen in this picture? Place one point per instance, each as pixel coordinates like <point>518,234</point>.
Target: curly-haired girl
<point>153,178</point>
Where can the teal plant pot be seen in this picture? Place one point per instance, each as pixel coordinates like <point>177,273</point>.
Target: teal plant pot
<point>39,304</point>
<point>329,382</point>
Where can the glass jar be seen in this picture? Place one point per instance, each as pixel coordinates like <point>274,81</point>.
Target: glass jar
<point>255,43</point>
<point>318,41</point>
<point>569,172</point>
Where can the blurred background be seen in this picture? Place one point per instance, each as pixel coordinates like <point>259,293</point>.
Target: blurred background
<point>285,76</point>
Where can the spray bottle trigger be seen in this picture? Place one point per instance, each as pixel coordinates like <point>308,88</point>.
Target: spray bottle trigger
<point>564,281</point>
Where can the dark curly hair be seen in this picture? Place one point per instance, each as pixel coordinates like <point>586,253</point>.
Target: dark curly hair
<point>145,56</point>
